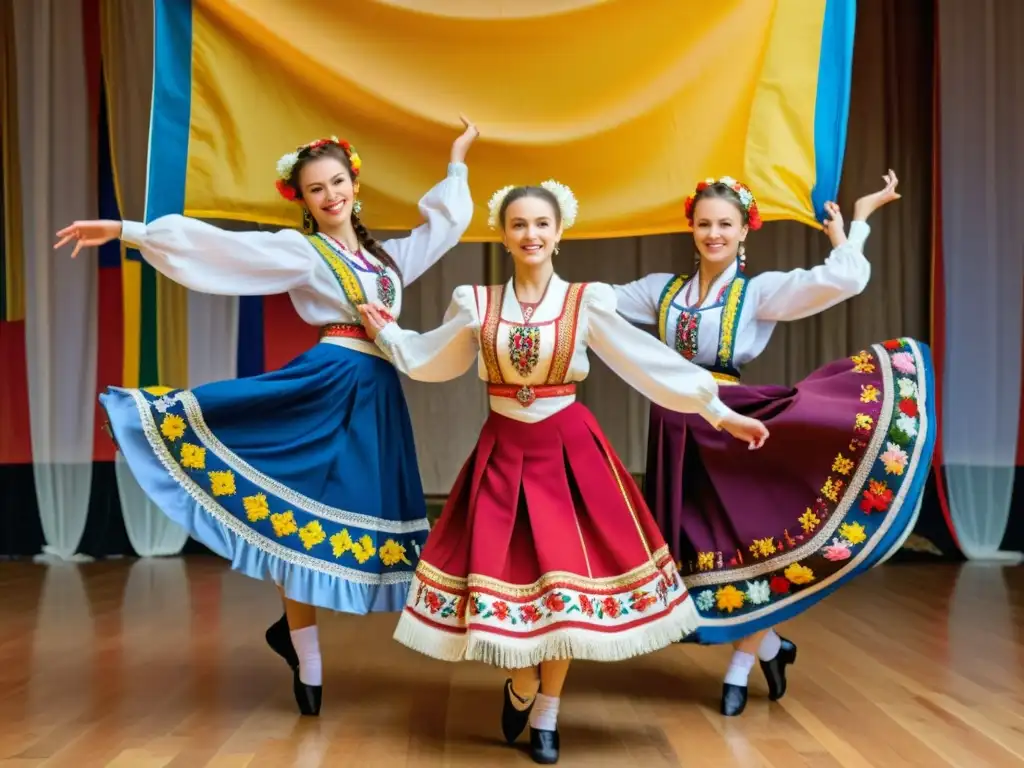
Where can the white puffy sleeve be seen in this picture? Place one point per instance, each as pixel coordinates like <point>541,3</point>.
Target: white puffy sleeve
<point>799,293</point>
<point>638,301</point>
<point>447,210</point>
<point>442,354</point>
<point>657,372</point>
<point>208,259</point>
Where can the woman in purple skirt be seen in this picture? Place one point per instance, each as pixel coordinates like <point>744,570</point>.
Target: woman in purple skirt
<point>762,536</point>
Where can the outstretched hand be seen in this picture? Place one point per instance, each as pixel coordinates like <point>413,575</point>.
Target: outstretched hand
<point>375,317</point>
<point>833,224</point>
<point>89,234</point>
<point>462,144</point>
<point>750,431</point>
<point>868,204</point>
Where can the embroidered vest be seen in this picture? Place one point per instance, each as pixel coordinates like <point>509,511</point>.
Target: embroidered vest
<point>724,366</point>
<point>565,334</point>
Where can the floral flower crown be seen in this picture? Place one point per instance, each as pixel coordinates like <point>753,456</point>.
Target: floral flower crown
<point>567,204</point>
<point>742,191</point>
<point>288,161</point>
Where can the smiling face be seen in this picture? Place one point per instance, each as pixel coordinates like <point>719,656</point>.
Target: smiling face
<point>532,225</point>
<point>718,228</point>
<point>326,188</point>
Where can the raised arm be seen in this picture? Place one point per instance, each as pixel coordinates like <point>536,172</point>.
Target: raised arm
<point>638,301</point>
<point>205,258</point>
<point>442,354</point>
<point>659,373</point>
<point>447,210</point>
<point>801,293</point>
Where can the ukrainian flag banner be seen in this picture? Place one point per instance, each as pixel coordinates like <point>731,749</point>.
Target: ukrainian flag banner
<point>628,102</point>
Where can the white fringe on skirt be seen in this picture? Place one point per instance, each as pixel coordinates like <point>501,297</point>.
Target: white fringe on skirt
<point>559,643</point>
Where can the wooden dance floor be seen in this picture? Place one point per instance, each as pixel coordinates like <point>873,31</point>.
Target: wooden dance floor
<point>162,663</point>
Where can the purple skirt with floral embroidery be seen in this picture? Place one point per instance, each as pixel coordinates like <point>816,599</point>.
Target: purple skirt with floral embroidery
<point>760,536</point>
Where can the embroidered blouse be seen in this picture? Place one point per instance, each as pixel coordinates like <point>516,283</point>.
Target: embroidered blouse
<point>736,320</point>
<point>486,324</point>
<point>325,282</point>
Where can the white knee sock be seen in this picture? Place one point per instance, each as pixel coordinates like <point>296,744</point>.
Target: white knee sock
<point>739,669</point>
<point>769,647</point>
<point>544,715</point>
<point>307,648</point>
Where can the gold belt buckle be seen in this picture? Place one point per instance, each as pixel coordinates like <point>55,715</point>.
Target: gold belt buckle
<point>526,395</point>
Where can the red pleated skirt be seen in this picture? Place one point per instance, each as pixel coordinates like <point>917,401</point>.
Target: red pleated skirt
<point>545,550</point>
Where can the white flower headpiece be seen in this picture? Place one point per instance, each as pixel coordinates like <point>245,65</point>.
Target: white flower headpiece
<point>568,207</point>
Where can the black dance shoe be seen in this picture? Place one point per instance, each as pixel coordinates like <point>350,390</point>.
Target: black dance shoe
<point>544,746</point>
<point>307,697</point>
<point>513,721</point>
<point>775,670</point>
<point>734,699</point>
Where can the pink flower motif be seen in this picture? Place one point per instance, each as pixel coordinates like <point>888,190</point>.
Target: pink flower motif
<point>904,362</point>
<point>836,551</point>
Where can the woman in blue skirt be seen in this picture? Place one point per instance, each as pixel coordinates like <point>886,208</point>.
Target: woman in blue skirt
<point>307,475</point>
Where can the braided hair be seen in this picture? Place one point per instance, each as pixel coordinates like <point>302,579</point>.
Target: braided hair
<point>366,240</point>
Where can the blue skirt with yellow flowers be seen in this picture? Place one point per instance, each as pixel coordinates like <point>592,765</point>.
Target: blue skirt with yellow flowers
<point>305,476</point>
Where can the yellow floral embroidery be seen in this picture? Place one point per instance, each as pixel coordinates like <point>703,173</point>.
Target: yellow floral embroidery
<point>284,524</point>
<point>728,598</point>
<point>853,533</point>
<point>341,542</point>
<point>869,393</point>
<point>864,421</point>
<point>364,549</point>
<point>193,456</point>
<point>705,561</point>
<point>312,533</point>
<point>831,489</point>
<point>762,547</point>
<point>222,483</point>
<point>809,520</point>
<point>862,363</point>
<point>393,553</point>
<point>842,465</point>
<point>256,507</point>
<point>799,574</point>
<point>172,427</point>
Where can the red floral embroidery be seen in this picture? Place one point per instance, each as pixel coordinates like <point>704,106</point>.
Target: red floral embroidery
<point>641,600</point>
<point>529,613</point>
<point>556,602</point>
<point>909,407</point>
<point>893,345</point>
<point>524,348</point>
<point>686,333</point>
<point>500,610</point>
<point>434,601</point>
<point>586,606</point>
<point>612,607</point>
<point>876,498</point>
<point>779,585</point>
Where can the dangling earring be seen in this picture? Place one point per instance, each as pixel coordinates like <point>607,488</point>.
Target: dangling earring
<point>555,251</point>
<point>308,222</point>
<point>357,206</point>
<point>743,257</point>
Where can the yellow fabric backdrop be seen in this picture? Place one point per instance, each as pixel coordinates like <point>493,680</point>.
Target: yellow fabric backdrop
<point>629,103</point>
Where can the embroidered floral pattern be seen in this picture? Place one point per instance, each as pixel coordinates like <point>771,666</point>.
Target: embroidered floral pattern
<point>686,333</point>
<point>385,288</point>
<point>552,606</point>
<point>524,348</point>
<point>172,427</point>
<point>888,469</point>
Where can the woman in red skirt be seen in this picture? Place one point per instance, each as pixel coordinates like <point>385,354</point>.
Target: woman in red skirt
<point>545,551</point>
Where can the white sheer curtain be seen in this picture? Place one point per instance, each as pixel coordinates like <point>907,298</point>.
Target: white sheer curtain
<point>60,322</point>
<point>982,122</point>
